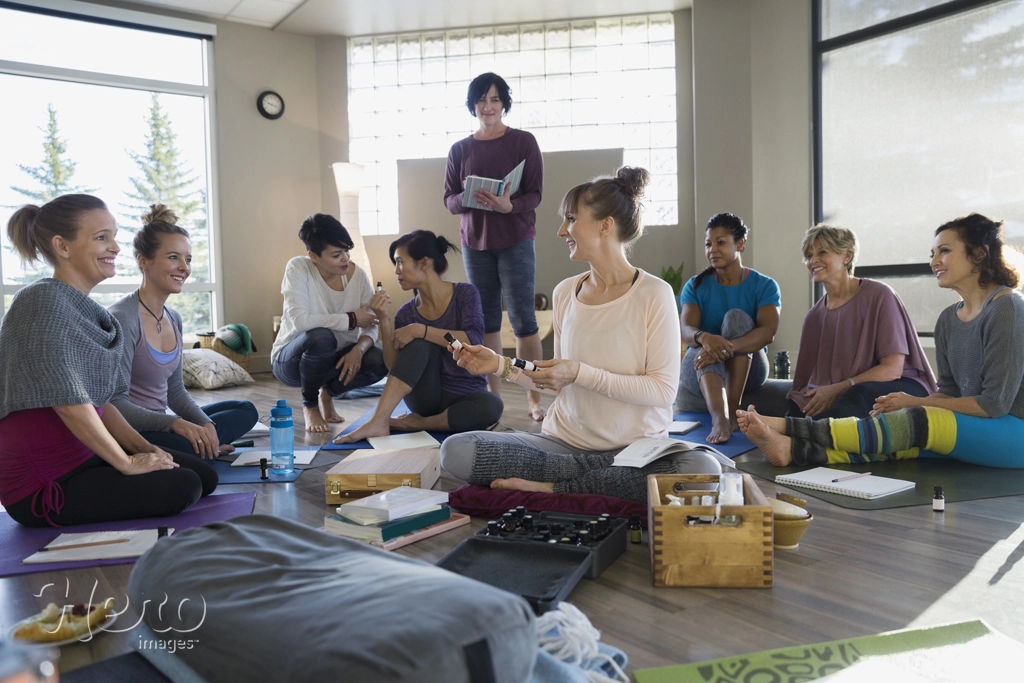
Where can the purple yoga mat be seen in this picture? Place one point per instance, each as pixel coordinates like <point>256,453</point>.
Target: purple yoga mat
<point>19,542</point>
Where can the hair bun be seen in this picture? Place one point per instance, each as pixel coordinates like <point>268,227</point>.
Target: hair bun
<point>159,213</point>
<point>442,243</point>
<point>633,180</point>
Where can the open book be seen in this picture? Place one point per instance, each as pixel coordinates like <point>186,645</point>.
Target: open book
<point>645,451</point>
<point>869,487</point>
<point>497,187</point>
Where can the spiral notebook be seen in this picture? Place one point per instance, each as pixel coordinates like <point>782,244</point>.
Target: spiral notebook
<point>869,487</point>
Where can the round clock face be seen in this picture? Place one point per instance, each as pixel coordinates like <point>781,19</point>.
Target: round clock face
<point>270,104</point>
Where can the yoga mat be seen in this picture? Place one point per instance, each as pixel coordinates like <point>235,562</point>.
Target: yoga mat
<point>19,542</point>
<point>400,409</point>
<point>939,653</point>
<point>738,444</point>
<point>959,480</point>
<point>226,474</point>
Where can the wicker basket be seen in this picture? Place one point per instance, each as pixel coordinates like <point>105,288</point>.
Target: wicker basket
<point>210,341</point>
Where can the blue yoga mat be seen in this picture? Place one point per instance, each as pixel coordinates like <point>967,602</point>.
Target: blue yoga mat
<point>738,444</point>
<point>250,474</point>
<point>400,409</point>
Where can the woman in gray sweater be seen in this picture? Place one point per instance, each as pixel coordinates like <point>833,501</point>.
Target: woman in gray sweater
<point>977,415</point>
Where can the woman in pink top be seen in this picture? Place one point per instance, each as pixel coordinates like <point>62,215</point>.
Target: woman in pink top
<point>614,373</point>
<point>67,456</point>
<point>858,342</point>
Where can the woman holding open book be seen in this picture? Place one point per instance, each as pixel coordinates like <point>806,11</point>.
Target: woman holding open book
<point>977,415</point>
<point>498,230</point>
<point>615,368</point>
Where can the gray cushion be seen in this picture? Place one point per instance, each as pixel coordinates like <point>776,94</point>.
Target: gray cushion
<point>285,602</point>
<point>769,399</point>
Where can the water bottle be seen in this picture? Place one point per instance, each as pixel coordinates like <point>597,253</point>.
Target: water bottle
<point>282,439</point>
<point>782,365</point>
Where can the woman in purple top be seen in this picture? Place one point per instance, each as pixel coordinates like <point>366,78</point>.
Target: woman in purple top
<point>441,395</point>
<point>498,239</point>
<point>858,342</point>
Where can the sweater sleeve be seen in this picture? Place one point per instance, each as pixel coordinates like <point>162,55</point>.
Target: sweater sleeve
<point>365,290</point>
<point>453,181</point>
<point>298,301</point>
<point>947,385</point>
<point>178,398</point>
<point>657,386</point>
<point>532,183</point>
<point>1002,366</point>
<point>126,311</point>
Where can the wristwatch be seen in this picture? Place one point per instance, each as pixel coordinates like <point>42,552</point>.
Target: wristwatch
<point>696,337</point>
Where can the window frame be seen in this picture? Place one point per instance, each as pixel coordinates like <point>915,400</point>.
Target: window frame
<point>80,11</point>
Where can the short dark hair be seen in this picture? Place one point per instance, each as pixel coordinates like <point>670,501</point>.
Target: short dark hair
<point>985,244</point>
<point>479,87</point>
<point>736,227</point>
<point>322,230</point>
<point>422,244</point>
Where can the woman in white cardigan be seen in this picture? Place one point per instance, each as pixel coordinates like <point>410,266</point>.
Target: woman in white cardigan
<point>326,341</point>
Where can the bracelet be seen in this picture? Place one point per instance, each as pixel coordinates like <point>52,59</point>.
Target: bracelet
<point>351,320</point>
<point>696,337</point>
<point>850,380</point>
<point>424,331</point>
<point>507,367</point>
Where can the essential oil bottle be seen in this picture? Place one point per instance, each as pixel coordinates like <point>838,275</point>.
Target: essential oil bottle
<point>635,533</point>
<point>939,500</point>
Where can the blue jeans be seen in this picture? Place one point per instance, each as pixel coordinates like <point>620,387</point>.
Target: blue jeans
<point>735,324</point>
<point>309,360</point>
<point>231,418</point>
<point>511,271</point>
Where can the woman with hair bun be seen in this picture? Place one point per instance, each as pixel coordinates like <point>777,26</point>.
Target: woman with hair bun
<point>615,369</point>
<point>441,395</point>
<point>153,351</point>
<point>67,455</point>
<point>729,315</point>
<point>326,341</point>
<point>977,414</point>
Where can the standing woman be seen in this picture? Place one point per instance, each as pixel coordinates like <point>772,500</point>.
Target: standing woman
<point>152,351</point>
<point>614,373</point>
<point>67,456</point>
<point>858,342</point>
<point>498,239</point>
<point>730,314</point>
<point>326,341</point>
<point>977,415</point>
<point>441,395</point>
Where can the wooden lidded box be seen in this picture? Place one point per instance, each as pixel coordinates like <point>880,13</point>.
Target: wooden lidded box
<point>370,471</point>
<point>708,555</point>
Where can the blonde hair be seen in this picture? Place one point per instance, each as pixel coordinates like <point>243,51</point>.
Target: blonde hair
<point>32,228</point>
<point>836,240</point>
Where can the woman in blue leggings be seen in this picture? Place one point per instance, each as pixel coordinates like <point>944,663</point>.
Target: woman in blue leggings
<point>977,416</point>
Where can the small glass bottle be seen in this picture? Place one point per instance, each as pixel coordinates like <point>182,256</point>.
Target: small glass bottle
<point>782,365</point>
<point>635,532</point>
<point>939,500</point>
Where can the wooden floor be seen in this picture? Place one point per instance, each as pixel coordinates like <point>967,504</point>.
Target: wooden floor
<point>855,572</point>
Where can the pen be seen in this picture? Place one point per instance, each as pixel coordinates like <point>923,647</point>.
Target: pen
<point>82,545</point>
<point>852,476</point>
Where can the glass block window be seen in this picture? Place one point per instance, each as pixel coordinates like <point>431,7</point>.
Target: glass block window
<point>592,84</point>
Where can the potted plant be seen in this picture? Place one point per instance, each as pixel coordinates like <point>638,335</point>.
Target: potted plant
<point>674,277</point>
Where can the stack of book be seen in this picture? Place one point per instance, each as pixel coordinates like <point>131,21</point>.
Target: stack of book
<point>394,518</point>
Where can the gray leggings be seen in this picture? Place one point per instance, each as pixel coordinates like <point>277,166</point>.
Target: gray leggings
<point>482,457</point>
<point>735,324</point>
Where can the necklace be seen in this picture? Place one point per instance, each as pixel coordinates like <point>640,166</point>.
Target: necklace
<point>159,321</point>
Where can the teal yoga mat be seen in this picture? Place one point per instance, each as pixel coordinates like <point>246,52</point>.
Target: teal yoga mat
<point>959,480</point>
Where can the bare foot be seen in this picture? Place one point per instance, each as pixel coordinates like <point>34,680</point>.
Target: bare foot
<point>408,422</point>
<point>517,484</point>
<point>314,420</point>
<point>371,428</point>
<point>720,429</point>
<point>534,408</point>
<point>776,424</point>
<point>327,408</point>
<point>776,447</point>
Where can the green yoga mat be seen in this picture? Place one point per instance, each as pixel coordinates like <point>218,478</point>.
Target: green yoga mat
<point>940,653</point>
<point>959,481</point>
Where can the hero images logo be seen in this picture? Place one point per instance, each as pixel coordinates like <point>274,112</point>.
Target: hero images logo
<point>167,612</point>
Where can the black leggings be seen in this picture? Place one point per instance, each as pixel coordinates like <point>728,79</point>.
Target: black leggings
<point>858,400</point>
<point>419,366</point>
<point>96,492</point>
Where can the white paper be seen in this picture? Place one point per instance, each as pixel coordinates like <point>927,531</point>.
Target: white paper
<point>681,427</point>
<point>398,441</point>
<point>258,429</point>
<point>138,543</point>
<point>303,456</point>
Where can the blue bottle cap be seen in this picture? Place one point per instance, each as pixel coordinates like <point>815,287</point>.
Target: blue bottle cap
<point>281,409</point>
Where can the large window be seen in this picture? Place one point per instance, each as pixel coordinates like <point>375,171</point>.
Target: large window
<point>600,83</point>
<point>920,121</point>
<point>118,111</point>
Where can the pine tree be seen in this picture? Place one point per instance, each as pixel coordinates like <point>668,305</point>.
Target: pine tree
<point>54,173</point>
<point>162,180</point>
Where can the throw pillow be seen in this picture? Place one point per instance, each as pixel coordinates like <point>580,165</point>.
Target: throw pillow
<point>207,369</point>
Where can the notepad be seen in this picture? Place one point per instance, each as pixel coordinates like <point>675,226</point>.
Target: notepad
<point>820,479</point>
<point>407,440</point>
<point>138,542</point>
<point>303,456</point>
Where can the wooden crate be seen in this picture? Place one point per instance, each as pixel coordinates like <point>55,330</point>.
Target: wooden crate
<point>710,555</point>
<point>370,471</point>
